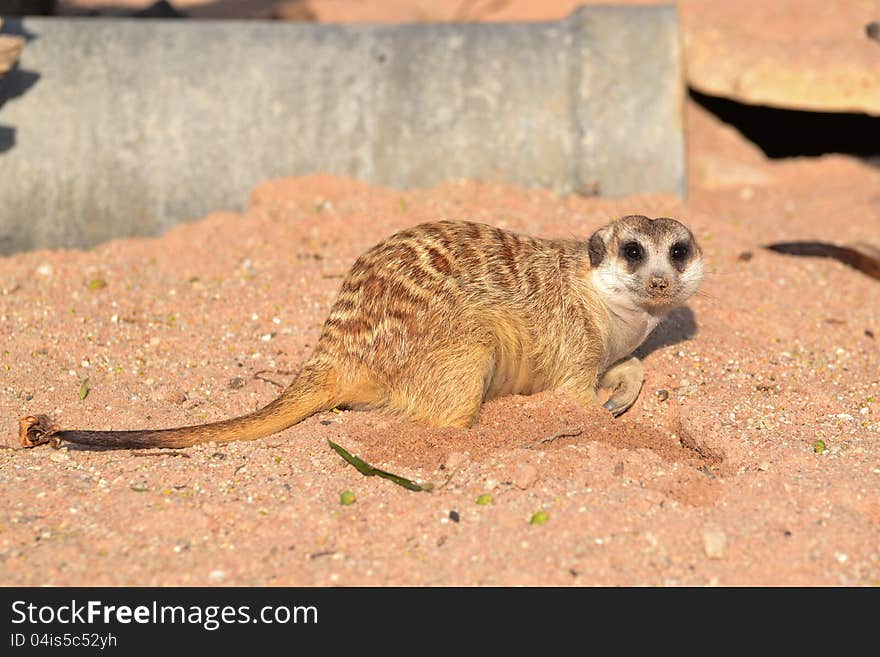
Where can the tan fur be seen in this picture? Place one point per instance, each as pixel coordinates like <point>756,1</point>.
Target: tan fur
<point>429,324</point>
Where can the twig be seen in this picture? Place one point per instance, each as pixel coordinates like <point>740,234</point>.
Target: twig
<point>182,455</point>
<point>258,375</point>
<point>561,434</point>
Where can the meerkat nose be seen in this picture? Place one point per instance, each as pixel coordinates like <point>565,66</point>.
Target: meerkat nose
<point>659,282</point>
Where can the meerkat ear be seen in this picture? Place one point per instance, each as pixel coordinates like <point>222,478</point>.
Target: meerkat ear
<point>596,246</point>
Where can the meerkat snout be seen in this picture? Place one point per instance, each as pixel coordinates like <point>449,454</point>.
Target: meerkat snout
<point>659,282</point>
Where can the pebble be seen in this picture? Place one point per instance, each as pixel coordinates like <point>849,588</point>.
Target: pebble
<point>525,476</point>
<point>714,543</point>
<point>176,397</point>
<point>217,575</point>
<point>456,460</point>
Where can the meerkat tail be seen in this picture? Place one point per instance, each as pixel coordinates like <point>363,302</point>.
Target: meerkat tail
<point>311,392</point>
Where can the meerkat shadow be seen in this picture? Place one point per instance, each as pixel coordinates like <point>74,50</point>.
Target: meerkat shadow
<point>678,326</point>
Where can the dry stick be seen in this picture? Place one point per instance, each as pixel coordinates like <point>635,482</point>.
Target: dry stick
<point>257,375</point>
<point>561,434</point>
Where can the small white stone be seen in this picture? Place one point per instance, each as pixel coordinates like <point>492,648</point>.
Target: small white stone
<point>217,575</point>
<point>45,269</point>
<point>714,543</point>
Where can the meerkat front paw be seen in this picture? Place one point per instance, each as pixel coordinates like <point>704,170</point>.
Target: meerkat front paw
<point>624,379</point>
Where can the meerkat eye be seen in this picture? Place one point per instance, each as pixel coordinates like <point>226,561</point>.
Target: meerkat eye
<point>632,251</point>
<point>678,252</point>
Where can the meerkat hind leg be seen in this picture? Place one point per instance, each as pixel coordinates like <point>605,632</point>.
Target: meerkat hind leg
<point>450,396</point>
<point>624,379</point>
<point>582,390</point>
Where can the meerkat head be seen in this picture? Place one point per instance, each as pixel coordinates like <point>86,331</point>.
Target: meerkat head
<point>654,264</point>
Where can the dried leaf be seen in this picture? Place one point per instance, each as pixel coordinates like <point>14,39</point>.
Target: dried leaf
<point>84,389</point>
<point>368,470</point>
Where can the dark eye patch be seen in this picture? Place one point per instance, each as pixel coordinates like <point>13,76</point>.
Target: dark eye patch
<point>679,251</point>
<point>632,252</point>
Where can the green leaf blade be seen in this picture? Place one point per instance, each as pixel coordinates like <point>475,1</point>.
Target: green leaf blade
<point>368,470</point>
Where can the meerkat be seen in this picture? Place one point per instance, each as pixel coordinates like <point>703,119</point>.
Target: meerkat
<point>436,319</point>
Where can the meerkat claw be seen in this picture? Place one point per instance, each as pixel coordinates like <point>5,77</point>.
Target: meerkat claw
<point>616,408</point>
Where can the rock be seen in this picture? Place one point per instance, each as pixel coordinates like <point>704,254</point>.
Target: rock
<point>456,460</point>
<point>714,542</point>
<point>797,54</point>
<point>176,397</point>
<point>525,476</point>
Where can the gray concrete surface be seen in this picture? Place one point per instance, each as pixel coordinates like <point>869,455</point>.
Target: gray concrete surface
<point>113,128</point>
